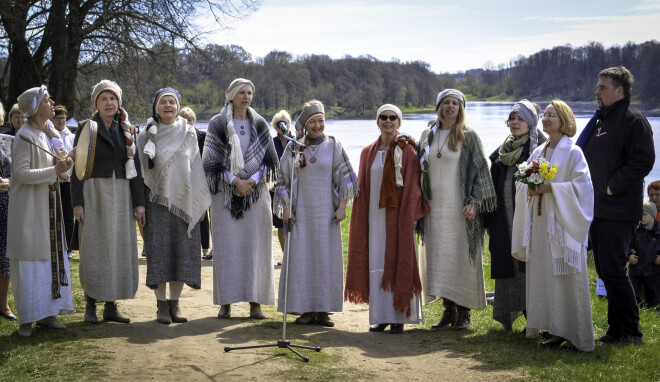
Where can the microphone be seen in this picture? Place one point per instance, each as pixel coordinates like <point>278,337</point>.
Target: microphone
<point>282,126</point>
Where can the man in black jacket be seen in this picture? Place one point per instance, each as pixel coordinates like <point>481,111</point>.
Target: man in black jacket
<point>618,145</point>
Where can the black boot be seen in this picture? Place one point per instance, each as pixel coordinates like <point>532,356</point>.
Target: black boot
<point>448,316</point>
<point>110,313</point>
<point>90,310</point>
<point>463,318</point>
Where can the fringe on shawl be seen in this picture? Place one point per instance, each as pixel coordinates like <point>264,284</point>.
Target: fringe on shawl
<point>356,296</point>
<point>571,260</point>
<point>402,302</point>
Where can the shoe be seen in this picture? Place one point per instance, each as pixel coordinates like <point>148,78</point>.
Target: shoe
<point>144,254</point>
<point>175,312</point>
<point>306,319</point>
<point>255,311</point>
<point>462,318</point>
<point>324,319</point>
<point>163,313</point>
<point>51,322</point>
<point>396,328</point>
<point>545,335</point>
<point>279,263</point>
<point>608,339</point>
<point>567,346</point>
<point>25,330</point>
<point>110,313</point>
<point>448,316</point>
<point>631,340</point>
<point>8,316</point>
<point>90,310</point>
<point>207,256</point>
<point>225,311</point>
<point>378,327</point>
<point>554,343</point>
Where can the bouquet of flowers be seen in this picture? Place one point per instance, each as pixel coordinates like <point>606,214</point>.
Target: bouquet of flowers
<point>535,172</point>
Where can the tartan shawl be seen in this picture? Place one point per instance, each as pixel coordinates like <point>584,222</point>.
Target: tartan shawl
<point>260,153</point>
<point>401,275</point>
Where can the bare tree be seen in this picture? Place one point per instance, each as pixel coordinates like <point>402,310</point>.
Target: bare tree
<point>50,41</point>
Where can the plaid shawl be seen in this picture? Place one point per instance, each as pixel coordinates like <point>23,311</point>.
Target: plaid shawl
<point>260,152</point>
<point>476,183</point>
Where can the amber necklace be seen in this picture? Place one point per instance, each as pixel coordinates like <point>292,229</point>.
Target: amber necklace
<point>439,155</point>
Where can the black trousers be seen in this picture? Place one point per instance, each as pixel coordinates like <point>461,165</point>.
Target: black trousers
<point>611,240</point>
<point>67,211</point>
<point>650,285</point>
<point>204,227</point>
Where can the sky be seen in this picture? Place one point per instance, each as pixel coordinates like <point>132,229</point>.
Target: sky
<point>450,36</point>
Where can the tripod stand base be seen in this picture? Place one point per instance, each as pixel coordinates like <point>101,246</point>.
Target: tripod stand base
<point>283,344</point>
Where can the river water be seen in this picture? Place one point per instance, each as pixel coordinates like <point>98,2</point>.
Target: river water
<point>487,118</point>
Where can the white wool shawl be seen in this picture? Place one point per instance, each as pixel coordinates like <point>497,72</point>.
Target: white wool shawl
<point>569,210</point>
<point>177,180</point>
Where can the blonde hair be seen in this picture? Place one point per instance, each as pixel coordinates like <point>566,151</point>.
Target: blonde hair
<point>14,109</point>
<point>282,115</point>
<point>457,133</point>
<point>311,102</point>
<point>188,113</point>
<point>2,114</point>
<point>565,114</point>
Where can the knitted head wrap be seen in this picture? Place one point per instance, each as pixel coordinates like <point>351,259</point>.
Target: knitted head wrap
<point>314,109</point>
<point>650,208</point>
<point>162,93</point>
<point>106,86</point>
<point>450,93</point>
<point>236,155</point>
<point>390,107</point>
<point>29,101</point>
<point>527,112</point>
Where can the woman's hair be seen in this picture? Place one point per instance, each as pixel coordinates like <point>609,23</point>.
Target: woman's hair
<point>188,113</point>
<point>2,114</point>
<point>61,109</point>
<point>653,186</point>
<point>565,114</point>
<point>310,103</point>
<point>457,133</point>
<point>14,109</point>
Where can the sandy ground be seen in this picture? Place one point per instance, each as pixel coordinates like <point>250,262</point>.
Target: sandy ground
<point>148,350</point>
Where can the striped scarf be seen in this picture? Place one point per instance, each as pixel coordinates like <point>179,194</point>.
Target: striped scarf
<point>216,160</point>
<point>58,273</point>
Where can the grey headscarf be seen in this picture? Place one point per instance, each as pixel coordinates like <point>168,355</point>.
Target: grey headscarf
<point>527,112</point>
<point>29,101</point>
<point>450,93</point>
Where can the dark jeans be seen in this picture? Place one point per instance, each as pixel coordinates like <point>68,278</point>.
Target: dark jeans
<point>204,227</point>
<point>67,211</point>
<point>611,240</point>
<point>651,287</point>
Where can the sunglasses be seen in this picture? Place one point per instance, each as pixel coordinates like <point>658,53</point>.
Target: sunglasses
<point>386,117</point>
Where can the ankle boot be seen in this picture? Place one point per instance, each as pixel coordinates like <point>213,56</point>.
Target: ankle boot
<point>324,319</point>
<point>463,318</point>
<point>225,311</point>
<point>255,311</point>
<point>90,310</point>
<point>448,316</point>
<point>175,312</point>
<point>163,314</point>
<point>110,313</point>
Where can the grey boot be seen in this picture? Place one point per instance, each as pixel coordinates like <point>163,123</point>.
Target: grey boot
<point>255,311</point>
<point>90,310</point>
<point>175,312</point>
<point>449,315</point>
<point>462,318</point>
<point>110,313</point>
<point>163,315</point>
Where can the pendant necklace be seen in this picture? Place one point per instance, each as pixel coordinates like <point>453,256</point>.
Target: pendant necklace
<point>439,155</point>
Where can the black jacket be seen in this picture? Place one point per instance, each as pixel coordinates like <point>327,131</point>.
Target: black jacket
<point>620,153</point>
<point>110,158</point>
<point>502,263</point>
<point>646,244</point>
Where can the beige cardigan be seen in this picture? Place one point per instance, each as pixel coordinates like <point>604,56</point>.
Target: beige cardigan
<point>32,170</point>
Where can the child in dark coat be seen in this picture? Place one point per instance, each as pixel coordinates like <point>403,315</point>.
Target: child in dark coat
<point>644,258</point>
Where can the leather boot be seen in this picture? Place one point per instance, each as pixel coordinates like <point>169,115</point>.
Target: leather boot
<point>324,319</point>
<point>255,311</point>
<point>448,316</point>
<point>305,319</point>
<point>463,318</point>
<point>175,312</point>
<point>90,310</point>
<point>110,313</point>
<point>163,314</point>
<point>225,311</point>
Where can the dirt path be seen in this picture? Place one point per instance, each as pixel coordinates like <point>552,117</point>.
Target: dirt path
<point>147,350</point>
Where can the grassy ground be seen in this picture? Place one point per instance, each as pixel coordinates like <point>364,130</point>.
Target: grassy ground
<point>71,355</point>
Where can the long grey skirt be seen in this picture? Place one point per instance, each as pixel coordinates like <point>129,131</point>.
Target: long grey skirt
<point>171,254</point>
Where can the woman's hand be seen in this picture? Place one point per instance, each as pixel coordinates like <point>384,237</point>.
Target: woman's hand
<point>243,187</point>
<point>340,213</point>
<point>79,213</point>
<point>285,215</point>
<point>63,166</point>
<point>140,216</point>
<point>541,189</point>
<point>72,153</point>
<point>4,184</point>
<point>470,211</point>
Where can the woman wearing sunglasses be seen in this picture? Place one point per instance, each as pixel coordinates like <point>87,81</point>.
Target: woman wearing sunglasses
<point>382,262</point>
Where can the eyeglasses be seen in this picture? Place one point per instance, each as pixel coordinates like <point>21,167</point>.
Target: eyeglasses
<point>548,115</point>
<point>386,117</point>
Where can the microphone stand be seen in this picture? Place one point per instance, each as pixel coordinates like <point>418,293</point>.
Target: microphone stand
<point>284,343</point>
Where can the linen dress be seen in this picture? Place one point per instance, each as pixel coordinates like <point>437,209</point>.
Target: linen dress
<point>316,264</point>
<point>243,258</point>
<point>381,302</point>
<point>445,266</point>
